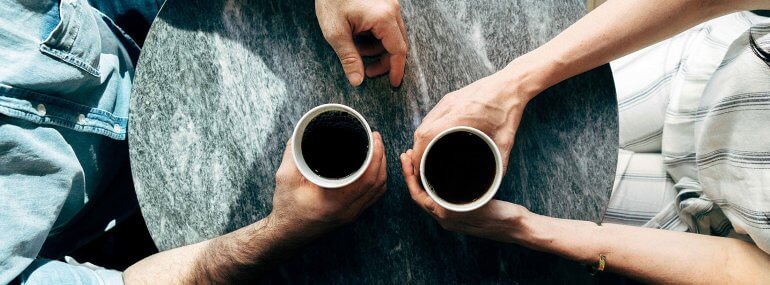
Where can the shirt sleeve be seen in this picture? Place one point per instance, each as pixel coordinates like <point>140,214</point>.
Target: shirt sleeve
<point>37,174</point>
<point>45,271</point>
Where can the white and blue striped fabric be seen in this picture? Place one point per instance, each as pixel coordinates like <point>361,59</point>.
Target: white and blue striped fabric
<point>695,133</point>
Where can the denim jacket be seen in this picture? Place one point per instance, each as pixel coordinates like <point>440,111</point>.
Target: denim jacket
<point>88,66</point>
<point>66,74</point>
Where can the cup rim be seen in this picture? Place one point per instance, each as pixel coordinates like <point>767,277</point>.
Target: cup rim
<point>296,145</point>
<point>488,195</point>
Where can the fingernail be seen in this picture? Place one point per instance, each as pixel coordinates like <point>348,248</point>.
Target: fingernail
<point>355,78</point>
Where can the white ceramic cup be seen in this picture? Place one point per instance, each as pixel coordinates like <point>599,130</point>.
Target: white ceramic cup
<point>299,159</point>
<point>487,196</point>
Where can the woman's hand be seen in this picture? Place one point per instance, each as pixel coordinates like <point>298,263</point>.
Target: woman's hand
<point>303,208</point>
<point>497,220</point>
<point>493,104</point>
<point>356,28</point>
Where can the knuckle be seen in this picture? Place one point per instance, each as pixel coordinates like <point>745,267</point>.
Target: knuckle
<point>401,49</point>
<point>376,182</point>
<point>420,134</point>
<point>384,13</point>
<point>441,215</point>
<point>396,6</point>
<point>334,36</point>
<point>348,59</point>
<point>382,180</point>
<point>432,207</point>
<point>368,185</point>
<point>508,139</point>
<point>368,180</point>
<point>505,146</point>
<point>375,185</point>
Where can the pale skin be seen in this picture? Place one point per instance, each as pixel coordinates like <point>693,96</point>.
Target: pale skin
<point>495,104</point>
<point>365,28</point>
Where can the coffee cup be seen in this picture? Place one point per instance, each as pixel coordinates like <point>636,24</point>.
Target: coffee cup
<point>461,169</point>
<point>332,145</point>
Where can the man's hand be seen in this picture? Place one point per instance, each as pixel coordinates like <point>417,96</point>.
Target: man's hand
<point>497,220</point>
<point>356,28</point>
<point>301,212</point>
<point>302,207</point>
<point>491,104</point>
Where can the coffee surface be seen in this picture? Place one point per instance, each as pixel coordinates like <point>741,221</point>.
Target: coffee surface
<point>335,144</point>
<point>460,167</point>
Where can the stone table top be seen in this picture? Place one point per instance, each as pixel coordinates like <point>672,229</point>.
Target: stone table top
<point>220,85</point>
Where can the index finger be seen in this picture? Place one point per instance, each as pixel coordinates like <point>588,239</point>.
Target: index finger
<point>287,160</point>
<point>416,153</point>
<point>416,191</point>
<point>395,44</point>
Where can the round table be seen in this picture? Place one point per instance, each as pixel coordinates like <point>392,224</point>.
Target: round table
<point>220,85</point>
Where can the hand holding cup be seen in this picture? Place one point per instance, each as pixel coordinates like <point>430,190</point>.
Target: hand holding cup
<point>307,204</point>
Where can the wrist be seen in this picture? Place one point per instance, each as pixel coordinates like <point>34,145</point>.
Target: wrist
<point>241,255</point>
<point>271,239</point>
<point>523,78</point>
<point>523,228</point>
<point>295,231</point>
<point>575,240</point>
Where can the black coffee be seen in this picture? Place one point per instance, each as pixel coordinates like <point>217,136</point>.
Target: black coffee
<point>335,144</point>
<point>460,167</point>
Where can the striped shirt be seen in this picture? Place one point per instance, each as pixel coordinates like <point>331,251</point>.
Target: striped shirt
<point>695,133</point>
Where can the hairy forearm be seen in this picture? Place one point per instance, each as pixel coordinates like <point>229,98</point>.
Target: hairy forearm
<point>237,257</point>
<point>241,256</point>
<point>649,255</point>
<point>612,30</point>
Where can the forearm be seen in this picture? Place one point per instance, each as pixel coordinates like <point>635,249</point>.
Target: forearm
<point>232,258</point>
<point>650,255</point>
<point>612,30</point>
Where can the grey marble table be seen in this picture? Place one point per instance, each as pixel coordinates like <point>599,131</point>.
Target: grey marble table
<point>220,85</point>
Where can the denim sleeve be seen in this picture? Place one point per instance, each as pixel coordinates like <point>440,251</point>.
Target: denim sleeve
<point>45,271</point>
<point>37,174</point>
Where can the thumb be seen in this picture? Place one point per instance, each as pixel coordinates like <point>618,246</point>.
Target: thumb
<point>342,43</point>
<point>287,161</point>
